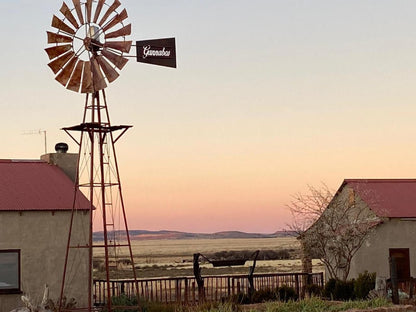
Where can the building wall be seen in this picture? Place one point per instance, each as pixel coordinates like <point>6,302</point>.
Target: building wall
<point>373,256</point>
<point>42,238</point>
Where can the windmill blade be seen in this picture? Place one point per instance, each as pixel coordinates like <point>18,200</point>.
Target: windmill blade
<point>87,86</point>
<point>66,72</point>
<point>108,70</point>
<point>75,81</point>
<point>125,31</point>
<point>58,38</point>
<point>57,23</point>
<point>77,6</point>
<point>57,50</point>
<point>98,10</point>
<point>59,62</point>
<point>98,78</point>
<point>110,10</point>
<point>123,46</point>
<point>118,60</point>
<point>117,19</point>
<point>89,10</point>
<point>67,13</point>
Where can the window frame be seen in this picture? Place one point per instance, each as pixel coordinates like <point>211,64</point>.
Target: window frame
<point>16,290</point>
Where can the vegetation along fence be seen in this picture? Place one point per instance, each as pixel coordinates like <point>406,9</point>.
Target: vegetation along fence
<point>216,288</point>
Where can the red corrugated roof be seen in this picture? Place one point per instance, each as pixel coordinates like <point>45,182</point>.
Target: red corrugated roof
<point>36,185</point>
<point>393,198</point>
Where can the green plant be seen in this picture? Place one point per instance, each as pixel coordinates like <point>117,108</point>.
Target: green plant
<point>363,284</point>
<point>286,293</point>
<point>65,304</point>
<point>264,295</point>
<point>142,305</point>
<point>336,289</point>
<point>313,290</point>
<point>314,304</point>
<point>124,300</point>
<point>240,298</point>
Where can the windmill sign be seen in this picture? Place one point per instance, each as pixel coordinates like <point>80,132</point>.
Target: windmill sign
<point>157,52</point>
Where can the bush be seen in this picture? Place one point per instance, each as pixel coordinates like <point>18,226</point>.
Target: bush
<point>248,254</point>
<point>336,289</point>
<point>241,298</point>
<point>142,306</point>
<point>283,293</point>
<point>286,293</point>
<point>264,295</point>
<point>363,284</point>
<point>123,300</point>
<point>313,290</point>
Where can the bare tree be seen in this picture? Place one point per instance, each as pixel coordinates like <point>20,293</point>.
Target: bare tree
<point>332,227</point>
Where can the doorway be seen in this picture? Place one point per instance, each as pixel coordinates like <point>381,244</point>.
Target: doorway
<point>402,260</point>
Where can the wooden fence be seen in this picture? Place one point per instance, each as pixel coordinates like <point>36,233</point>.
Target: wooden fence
<point>216,288</point>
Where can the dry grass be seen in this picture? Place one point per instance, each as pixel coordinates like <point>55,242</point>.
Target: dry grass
<point>168,258</point>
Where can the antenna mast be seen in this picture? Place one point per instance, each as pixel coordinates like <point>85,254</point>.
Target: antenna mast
<point>31,132</point>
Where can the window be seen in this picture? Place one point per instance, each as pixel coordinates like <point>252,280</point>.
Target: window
<point>9,271</point>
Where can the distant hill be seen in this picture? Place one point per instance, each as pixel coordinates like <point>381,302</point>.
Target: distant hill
<point>164,234</point>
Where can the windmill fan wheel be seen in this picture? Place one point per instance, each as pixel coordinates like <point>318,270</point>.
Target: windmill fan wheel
<point>89,46</point>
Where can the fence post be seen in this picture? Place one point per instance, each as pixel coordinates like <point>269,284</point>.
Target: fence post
<point>193,293</point>
<point>198,277</point>
<point>186,290</point>
<point>297,285</point>
<point>393,277</point>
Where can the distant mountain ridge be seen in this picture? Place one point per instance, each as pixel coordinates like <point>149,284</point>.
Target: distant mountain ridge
<point>165,234</point>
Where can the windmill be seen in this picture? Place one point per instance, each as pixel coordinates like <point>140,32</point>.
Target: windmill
<point>87,50</point>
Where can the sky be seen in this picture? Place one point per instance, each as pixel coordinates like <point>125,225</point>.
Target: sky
<point>269,97</point>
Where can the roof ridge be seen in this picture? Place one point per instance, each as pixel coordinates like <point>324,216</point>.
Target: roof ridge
<point>382,180</point>
<point>21,161</point>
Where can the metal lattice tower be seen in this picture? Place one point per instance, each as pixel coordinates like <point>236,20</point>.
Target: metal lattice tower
<point>98,176</point>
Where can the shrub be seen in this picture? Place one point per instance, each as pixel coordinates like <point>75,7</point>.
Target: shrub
<point>123,300</point>
<point>336,289</point>
<point>363,284</point>
<point>264,295</point>
<point>142,306</point>
<point>248,254</point>
<point>240,298</point>
<point>286,293</point>
<point>313,290</point>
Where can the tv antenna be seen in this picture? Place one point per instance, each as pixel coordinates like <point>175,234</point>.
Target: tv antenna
<point>88,49</point>
<point>31,132</point>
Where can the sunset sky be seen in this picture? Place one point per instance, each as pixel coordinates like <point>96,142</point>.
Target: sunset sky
<point>268,97</point>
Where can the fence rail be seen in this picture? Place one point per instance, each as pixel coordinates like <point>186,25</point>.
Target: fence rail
<point>216,287</point>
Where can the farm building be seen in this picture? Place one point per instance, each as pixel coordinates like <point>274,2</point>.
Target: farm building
<point>386,209</point>
<point>36,200</point>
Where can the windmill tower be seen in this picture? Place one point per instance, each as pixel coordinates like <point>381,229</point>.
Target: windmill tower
<point>88,48</point>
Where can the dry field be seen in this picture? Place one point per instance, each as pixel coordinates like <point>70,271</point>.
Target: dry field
<point>168,258</point>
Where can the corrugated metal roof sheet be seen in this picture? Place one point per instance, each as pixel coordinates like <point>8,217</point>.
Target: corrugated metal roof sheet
<point>36,185</point>
<point>393,198</point>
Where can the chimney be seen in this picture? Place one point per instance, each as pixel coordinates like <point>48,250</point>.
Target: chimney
<point>67,162</point>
